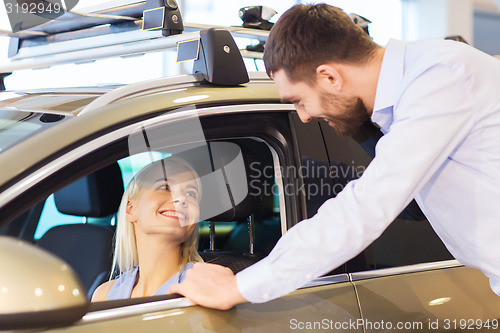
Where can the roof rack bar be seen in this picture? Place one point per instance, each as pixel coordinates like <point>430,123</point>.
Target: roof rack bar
<point>132,41</point>
<point>73,21</point>
<point>82,40</point>
<point>90,54</point>
<point>121,33</point>
<point>83,33</point>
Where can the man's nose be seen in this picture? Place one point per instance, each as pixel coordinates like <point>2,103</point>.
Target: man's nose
<point>304,116</point>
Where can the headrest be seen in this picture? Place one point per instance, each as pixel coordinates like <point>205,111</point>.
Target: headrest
<point>237,177</point>
<point>95,195</point>
<point>260,162</point>
<point>225,174</point>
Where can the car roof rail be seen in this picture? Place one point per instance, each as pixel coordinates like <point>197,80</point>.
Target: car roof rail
<point>149,86</point>
<point>154,85</point>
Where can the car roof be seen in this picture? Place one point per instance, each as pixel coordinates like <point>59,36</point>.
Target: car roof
<point>75,101</point>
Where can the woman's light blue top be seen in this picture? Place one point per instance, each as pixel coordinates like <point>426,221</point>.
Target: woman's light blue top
<point>124,283</point>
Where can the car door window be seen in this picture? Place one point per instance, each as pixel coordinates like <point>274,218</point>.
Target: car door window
<point>409,239</point>
<point>51,216</point>
<point>244,160</point>
<point>318,185</point>
<point>322,177</point>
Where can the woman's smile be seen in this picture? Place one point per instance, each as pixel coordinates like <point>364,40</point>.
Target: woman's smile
<point>171,213</point>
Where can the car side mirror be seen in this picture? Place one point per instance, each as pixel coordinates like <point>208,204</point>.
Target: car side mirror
<point>37,289</point>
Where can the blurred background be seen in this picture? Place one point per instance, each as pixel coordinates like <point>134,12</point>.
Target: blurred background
<point>477,21</point>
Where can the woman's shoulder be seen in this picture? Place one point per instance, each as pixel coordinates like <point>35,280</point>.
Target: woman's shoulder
<point>101,293</point>
<point>182,274</point>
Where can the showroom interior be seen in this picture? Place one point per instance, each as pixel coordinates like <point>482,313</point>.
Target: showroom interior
<point>475,20</point>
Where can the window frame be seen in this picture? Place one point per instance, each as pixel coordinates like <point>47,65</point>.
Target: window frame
<point>84,158</point>
<point>349,153</point>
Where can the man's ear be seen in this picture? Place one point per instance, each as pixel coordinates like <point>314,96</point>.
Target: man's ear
<point>130,211</point>
<point>329,78</point>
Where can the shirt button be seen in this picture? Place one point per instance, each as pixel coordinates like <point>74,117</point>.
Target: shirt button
<point>308,276</point>
<point>265,295</point>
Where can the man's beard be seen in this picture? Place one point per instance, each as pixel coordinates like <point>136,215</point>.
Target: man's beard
<point>352,116</point>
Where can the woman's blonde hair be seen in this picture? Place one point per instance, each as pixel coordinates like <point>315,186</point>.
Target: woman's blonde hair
<point>125,252</point>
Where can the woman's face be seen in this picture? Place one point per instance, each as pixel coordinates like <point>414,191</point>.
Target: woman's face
<point>167,203</point>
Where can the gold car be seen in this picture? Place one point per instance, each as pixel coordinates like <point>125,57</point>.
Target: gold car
<point>66,155</point>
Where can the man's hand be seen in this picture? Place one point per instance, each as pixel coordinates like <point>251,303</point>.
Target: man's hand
<point>210,285</point>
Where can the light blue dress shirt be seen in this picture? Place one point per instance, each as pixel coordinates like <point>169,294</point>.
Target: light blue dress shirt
<point>124,283</point>
<point>438,103</point>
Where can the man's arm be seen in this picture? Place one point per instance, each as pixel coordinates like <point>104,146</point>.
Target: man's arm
<point>430,124</point>
<point>367,137</point>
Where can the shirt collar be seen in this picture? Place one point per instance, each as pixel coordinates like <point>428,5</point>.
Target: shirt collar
<point>391,74</point>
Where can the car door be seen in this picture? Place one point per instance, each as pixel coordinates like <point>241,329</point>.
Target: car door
<point>326,303</point>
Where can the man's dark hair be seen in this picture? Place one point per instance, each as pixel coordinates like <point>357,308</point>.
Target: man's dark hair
<point>307,36</point>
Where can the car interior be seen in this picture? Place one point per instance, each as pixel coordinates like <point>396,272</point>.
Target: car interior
<point>240,232</point>
<point>87,247</point>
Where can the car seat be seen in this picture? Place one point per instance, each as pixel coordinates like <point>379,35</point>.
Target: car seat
<point>226,171</point>
<point>87,248</point>
<point>267,224</point>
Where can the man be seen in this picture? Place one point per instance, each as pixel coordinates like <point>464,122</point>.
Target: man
<point>438,103</point>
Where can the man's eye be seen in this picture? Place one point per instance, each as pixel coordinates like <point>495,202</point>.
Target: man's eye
<point>193,194</point>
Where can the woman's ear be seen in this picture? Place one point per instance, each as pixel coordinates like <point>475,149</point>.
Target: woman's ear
<point>329,78</point>
<point>130,211</point>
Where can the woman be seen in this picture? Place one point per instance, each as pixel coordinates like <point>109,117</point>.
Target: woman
<point>157,231</point>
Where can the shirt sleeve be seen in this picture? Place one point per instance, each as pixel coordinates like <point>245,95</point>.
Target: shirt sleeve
<point>431,118</point>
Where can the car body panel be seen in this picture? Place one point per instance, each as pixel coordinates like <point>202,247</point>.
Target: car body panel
<point>324,306</point>
<point>422,299</point>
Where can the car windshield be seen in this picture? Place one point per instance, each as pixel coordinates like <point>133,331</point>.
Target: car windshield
<point>24,114</point>
<point>15,126</point>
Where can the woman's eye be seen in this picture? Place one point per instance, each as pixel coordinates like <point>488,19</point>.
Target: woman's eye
<point>162,187</point>
<point>192,194</point>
